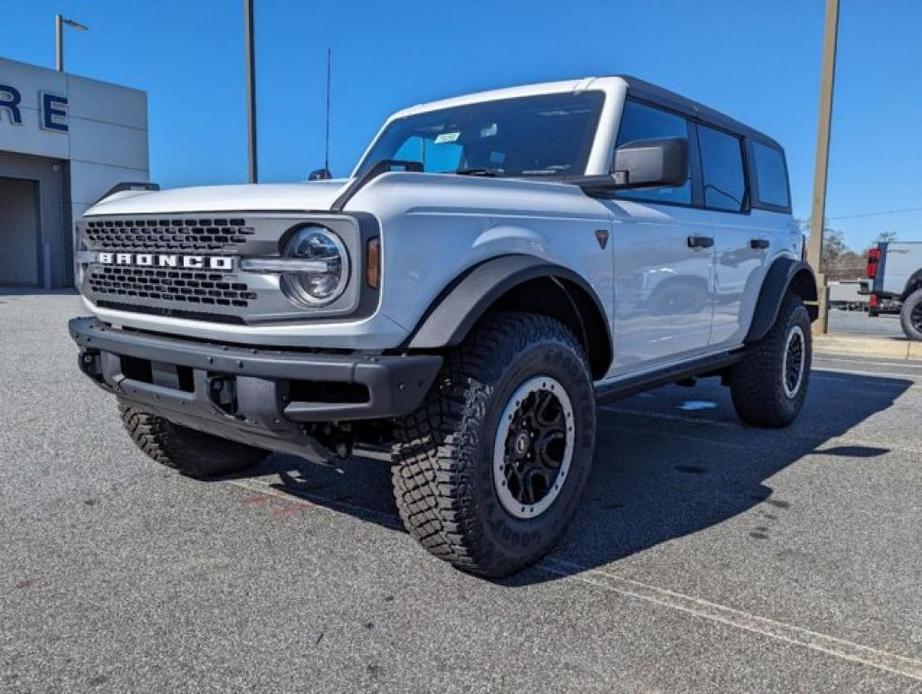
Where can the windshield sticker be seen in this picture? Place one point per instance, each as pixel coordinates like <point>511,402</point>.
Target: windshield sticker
<point>489,131</point>
<point>447,137</point>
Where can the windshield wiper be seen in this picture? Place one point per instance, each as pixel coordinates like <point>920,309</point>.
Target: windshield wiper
<point>479,171</point>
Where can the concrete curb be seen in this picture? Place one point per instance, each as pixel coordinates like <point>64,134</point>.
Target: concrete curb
<point>884,348</point>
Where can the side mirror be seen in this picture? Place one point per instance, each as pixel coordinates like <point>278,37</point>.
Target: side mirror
<point>651,163</point>
<point>319,175</point>
<point>642,164</point>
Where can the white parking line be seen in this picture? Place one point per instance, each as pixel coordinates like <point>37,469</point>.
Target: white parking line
<point>824,371</point>
<point>839,648</point>
<point>697,607</point>
<point>898,363</point>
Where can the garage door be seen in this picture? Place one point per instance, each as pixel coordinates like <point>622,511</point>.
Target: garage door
<point>19,249</point>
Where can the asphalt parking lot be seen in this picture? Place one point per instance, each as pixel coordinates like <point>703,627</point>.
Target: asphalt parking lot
<point>708,556</point>
<point>860,323</point>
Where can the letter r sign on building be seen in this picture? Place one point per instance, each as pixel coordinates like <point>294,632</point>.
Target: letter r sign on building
<point>9,104</point>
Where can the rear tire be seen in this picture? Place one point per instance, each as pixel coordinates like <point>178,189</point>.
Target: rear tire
<point>190,452</point>
<point>491,468</point>
<point>769,385</point>
<point>911,315</point>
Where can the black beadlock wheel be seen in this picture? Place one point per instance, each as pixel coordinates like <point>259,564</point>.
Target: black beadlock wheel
<point>491,468</point>
<point>911,315</point>
<point>769,385</point>
<point>191,452</point>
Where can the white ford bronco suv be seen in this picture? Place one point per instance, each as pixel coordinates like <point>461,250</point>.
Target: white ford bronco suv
<point>496,265</point>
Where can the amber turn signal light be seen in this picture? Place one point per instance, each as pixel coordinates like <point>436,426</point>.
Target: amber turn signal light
<point>373,263</point>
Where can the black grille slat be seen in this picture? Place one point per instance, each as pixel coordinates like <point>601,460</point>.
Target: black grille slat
<point>180,286</point>
<point>176,235</point>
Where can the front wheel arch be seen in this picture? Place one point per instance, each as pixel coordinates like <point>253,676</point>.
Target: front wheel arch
<point>518,283</point>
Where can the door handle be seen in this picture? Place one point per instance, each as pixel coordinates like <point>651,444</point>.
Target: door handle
<point>700,242</point>
<point>759,244</point>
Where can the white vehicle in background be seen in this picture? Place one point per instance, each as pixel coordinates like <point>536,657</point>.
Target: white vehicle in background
<point>894,278</point>
<point>496,264</point>
<point>846,295</point>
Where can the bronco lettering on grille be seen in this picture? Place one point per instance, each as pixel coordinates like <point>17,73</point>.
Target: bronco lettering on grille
<point>210,262</point>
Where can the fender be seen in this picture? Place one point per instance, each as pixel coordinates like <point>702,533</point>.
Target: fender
<point>784,274</point>
<point>913,283</point>
<point>464,302</point>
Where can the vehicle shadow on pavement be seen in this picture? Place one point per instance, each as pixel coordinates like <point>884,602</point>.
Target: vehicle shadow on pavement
<point>659,473</point>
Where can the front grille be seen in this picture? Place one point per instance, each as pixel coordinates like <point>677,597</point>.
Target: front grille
<point>154,234</point>
<point>141,263</point>
<point>183,287</point>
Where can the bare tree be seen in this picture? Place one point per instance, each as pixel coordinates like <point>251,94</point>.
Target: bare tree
<point>886,237</point>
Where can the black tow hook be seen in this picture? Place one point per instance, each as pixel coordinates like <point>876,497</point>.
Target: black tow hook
<point>90,363</point>
<point>338,439</point>
<point>222,391</point>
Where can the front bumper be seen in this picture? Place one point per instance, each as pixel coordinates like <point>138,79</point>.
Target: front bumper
<point>263,397</point>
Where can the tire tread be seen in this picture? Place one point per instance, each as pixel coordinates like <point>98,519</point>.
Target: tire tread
<point>434,444</point>
<point>755,384</point>
<point>191,452</point>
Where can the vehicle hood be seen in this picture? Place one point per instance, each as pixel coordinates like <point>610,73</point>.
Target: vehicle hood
<point>281,197</point>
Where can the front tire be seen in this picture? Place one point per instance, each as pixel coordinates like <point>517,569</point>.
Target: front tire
<point>911,315</point>
<point>491,468</point>
<point>769,385</point>
<point>191,452</point>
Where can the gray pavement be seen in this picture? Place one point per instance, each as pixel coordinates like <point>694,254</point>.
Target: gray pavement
<point>708,556</point>
<point>860,323</point>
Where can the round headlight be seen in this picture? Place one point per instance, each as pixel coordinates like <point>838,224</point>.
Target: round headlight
<point>324,283</point>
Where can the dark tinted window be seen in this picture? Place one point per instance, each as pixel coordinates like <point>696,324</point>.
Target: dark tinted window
<point>641,122</point>
<point>722,169</point>
<point>547,135</point>
<point>771,176</point>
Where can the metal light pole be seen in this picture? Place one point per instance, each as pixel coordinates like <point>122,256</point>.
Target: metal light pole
<point>59,22</point>
<point>251,90</point>
<point>326,155</point>
<point>821,170</point>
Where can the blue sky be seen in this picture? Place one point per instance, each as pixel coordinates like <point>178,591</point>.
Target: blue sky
<point>757,61</point>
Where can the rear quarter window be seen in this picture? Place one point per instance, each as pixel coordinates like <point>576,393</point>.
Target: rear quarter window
<point>771,178</point>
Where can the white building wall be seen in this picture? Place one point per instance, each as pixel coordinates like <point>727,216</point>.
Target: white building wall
<point>106,141</point>
<point>108,138</point>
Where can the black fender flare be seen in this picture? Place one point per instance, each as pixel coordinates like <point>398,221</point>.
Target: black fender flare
<point>465,301</point>
<point>913,283</point>
<point>784,274</point>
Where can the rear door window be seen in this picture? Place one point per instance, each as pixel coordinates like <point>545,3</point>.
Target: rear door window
<point>722,170</point>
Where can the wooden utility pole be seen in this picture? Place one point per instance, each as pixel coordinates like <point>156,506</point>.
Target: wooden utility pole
<point>821,170</point>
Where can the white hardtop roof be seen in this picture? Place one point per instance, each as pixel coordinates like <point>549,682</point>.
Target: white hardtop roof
<point>609,84</point>
<point>577,85</point>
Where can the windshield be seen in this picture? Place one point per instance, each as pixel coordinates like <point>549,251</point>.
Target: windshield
<point>547,135</point>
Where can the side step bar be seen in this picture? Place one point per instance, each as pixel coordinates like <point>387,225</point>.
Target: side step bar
<point>708,366</point>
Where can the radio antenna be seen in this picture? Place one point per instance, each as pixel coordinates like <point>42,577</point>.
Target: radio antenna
<point>326,158</point>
